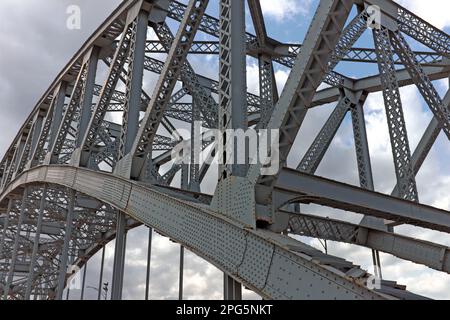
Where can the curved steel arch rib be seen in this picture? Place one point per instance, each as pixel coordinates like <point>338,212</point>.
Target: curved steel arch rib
<point>272,265</point>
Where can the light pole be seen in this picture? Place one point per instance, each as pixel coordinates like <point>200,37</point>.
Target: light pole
<point>105,289</point>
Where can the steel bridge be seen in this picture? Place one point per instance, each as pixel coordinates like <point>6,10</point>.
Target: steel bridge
<point>73,179</point>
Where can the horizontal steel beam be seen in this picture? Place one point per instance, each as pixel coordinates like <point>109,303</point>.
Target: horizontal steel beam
<point>373,83</point>
<point>285,54</point>
<point>430,254</point>
<point>294,186</point>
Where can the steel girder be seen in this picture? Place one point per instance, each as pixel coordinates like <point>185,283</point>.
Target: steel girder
<point>211,26</point>
<point>287,59</point>
<point>370,84</point>
<point>44,242</point>
<point>198,87</point>
<point>125,46</point>
<point>306,76</point>
<point>172,69</point>
<point>84,84</point>
<point>295,186</point>
<point>427,142</point>
<point>373,84</point>
<point>361,146</point>
<point>424,147</point>
<point>394,114</point>
<point>202,233</point>
<point>413,26</point>
<point>314,61</point>
<point>427,253</point>
<point>268,90</point>
<point>316,151</point>
<point>132,105</point>
<point>421,80</point>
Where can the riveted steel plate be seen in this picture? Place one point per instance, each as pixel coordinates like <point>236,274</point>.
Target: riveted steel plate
<point>257,250</point>
<point>294,278</point>
<point>235,198</point>
<point>225,243</point>
<point>117,191</point>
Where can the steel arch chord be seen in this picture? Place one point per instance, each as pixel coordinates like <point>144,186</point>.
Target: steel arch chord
<point>93,161</point>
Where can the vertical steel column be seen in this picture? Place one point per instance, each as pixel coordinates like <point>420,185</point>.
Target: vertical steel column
<point>267,90</point>
<point>102,264</point>
<point>83,285</point>
<point>184,186</point>
<point>377,264</point>
<point>130,119</point>
<point>12,264</point>
<point>180,284</point>
<point>30,144</point>
<point>394,113</point>
<point>116,69</point>
<point>142,146</point>
<point>35,134</point>
<point>57,114</point>
<point>232,80</point>
<point>362,147</point>
<point>38,154</point>
<point>196,148</point>
<point>65,249</point>
<point>267,83</point>
<point>363,158</point>
<point>119,257</point>
<point>232,98</point>
<point>3,240</point>
<point>364,168</point>
<point>72,111</point>
<point>5,172</point>
<point>37,237</point>
<point>44,284</point>
<point>185,176</point>
<point>149,256</point>
<point>15,160</point>
<point>19,152</point>
<point>87,96</point>
<point>232,290</point>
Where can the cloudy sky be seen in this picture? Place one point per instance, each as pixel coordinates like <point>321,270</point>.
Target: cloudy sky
<point>35,44</point>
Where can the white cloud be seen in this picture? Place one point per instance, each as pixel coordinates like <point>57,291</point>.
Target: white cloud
<point>285,9</point>
<point>433,11</point>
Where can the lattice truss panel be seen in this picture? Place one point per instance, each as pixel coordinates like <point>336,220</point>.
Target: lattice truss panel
<point>93,159</point>
<point>33,234</point>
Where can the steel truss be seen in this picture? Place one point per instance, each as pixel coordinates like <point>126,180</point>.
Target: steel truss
<point>73,180</point>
